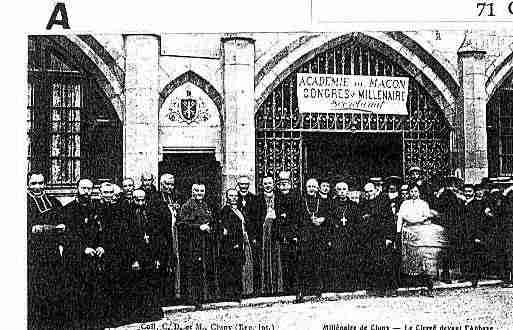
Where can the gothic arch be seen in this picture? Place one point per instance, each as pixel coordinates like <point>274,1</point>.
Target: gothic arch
<point>499,71</point>
<point>196,79</point>
<point>417,62</point>
<point>97,61</point>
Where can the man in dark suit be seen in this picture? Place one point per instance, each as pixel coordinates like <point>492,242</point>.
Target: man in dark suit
<point>477,234</point>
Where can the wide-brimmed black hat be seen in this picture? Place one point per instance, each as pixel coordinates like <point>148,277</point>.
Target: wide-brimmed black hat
<point>394,179</point>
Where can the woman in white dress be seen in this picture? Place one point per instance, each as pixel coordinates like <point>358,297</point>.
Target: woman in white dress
<point>422,240</point>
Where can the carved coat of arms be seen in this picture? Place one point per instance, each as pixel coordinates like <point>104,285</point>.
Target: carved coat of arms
<point>188,110</point>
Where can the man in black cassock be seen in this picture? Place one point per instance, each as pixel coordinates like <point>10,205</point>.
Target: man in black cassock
<point>149,255</point>
<point>85,255</point>
<point>44,259</point>
<point>148,185</point>
<point>246,203</point>
<point>235,256</point>
<point>267,212</point>
<point>314,229</point>
<point>113,218</point>
<point>325,189</point>
<point>288,221</point>
<point>197,248</point>
<point>343,256</point>
<point>375,235</point>
<point>167,203</point>
<point>126,199</point>
<point>392,253</point>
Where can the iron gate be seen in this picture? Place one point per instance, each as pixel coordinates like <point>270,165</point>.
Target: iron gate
<point>280,126</point>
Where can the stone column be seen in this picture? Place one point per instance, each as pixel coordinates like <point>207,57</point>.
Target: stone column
<point>239,117</point>
<point>473,109</point>
<point>140,136</point>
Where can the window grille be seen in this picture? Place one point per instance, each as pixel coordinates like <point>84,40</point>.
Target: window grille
<point>280,126</point>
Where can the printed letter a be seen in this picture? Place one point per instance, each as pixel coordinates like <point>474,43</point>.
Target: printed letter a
<point>59,8</point>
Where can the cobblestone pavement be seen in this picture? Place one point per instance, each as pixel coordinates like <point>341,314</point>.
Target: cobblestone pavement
<point>483,308</point>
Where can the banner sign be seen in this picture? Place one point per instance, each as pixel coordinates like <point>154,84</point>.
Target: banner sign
<point>334,93</point>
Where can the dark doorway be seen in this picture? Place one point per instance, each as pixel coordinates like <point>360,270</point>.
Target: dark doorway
<point>189,168</point>
<point>353,157</point>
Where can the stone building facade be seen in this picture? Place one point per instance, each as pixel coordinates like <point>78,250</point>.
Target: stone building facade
<point>212,107</point>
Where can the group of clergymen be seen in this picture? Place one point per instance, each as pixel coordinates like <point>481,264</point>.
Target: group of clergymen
<point>121,256</point>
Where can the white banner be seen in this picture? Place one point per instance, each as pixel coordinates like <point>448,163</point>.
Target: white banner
<point>336,93</point>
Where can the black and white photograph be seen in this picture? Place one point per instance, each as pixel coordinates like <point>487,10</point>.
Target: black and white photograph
<point>354,180</point>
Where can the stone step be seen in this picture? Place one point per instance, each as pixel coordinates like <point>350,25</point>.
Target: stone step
<point>268,301</point>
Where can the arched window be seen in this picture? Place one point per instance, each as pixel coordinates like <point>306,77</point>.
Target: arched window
<point>500,130</point>
<point>72,130</point>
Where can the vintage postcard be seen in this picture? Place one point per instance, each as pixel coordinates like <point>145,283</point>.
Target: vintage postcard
<point>359,178</point>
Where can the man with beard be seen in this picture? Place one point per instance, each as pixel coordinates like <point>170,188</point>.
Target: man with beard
<point>342,261</point>
<point>288,221</point>
<point>43,253</point>
<point>147,184</point>
<point>246,203</point>
<point>148,256</point>
<point>271,275</point>
<point>236,257</point>
<point>85,253</point>
<point>374,237</point>
<point>167,203</point>
<point>113,219</point>
<point>314,229</point>
<point>324,189</point>
<point>197,245</point>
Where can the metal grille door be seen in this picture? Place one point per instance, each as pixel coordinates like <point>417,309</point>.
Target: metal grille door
<point>280,126</point>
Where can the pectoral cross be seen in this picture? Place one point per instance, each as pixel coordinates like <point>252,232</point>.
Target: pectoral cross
<point>344,220</point>
<point>146,238</point>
